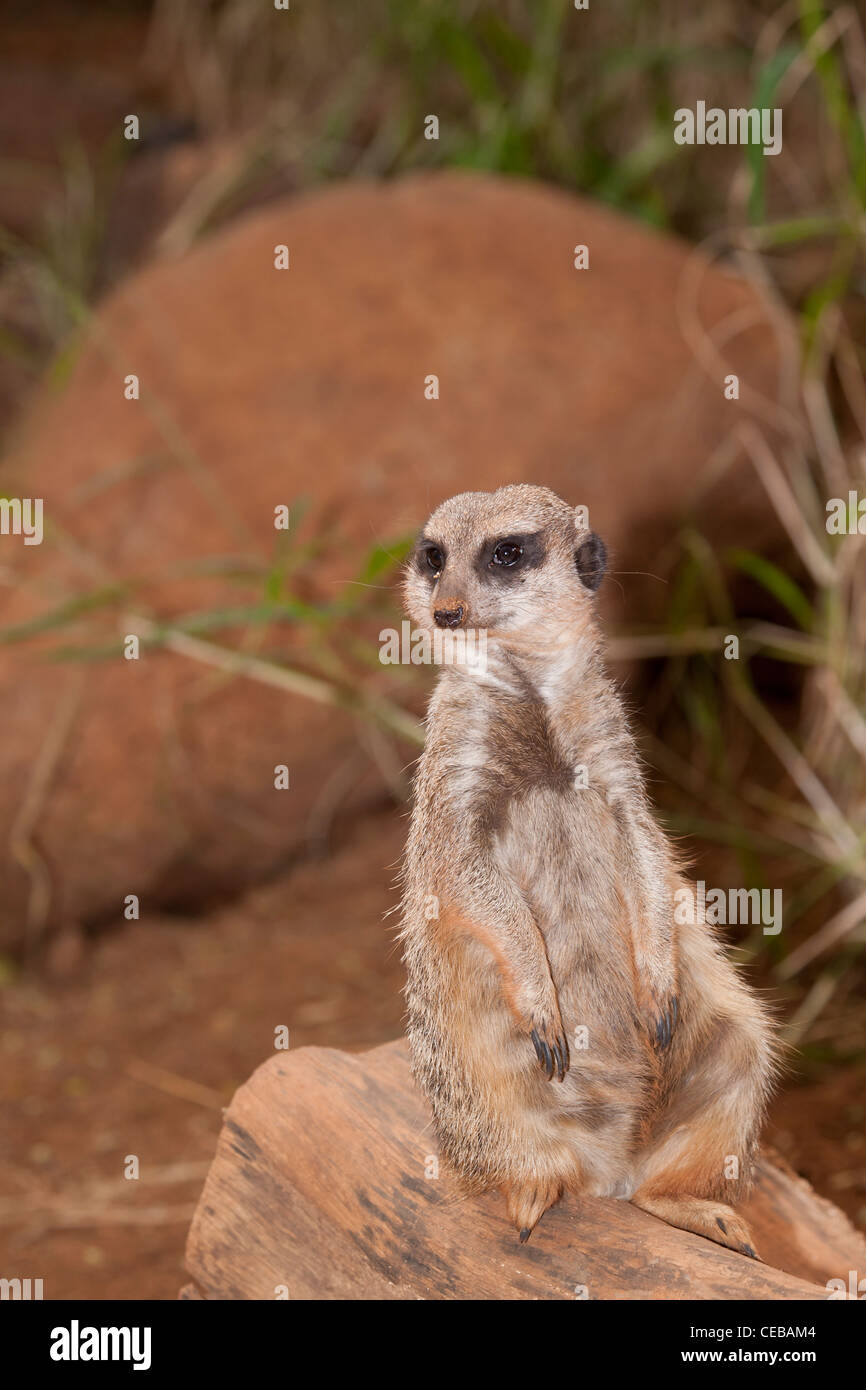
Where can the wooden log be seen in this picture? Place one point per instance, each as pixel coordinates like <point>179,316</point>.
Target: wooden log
<point>320,1190</point>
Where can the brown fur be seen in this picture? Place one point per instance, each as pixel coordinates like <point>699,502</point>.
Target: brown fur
<point>568,1035</point>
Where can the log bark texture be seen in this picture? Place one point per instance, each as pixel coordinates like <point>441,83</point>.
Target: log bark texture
<point>320,1190</point>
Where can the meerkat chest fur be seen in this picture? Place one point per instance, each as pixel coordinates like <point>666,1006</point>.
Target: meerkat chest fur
<point>531,774</point>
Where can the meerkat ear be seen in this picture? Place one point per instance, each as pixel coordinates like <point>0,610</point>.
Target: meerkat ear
<point>590,557</point>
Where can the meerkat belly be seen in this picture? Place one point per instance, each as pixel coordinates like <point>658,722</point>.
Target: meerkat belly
<point>563,857</point>
<point>563,852</point>
<point>476,1066</point>
<point>496,1113</point>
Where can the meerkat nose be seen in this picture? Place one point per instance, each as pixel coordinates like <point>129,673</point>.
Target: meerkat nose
<point>449,617</point>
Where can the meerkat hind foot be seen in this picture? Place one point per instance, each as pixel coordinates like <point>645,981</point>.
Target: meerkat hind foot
<point>528,1201</point>
<point>715,1220</point>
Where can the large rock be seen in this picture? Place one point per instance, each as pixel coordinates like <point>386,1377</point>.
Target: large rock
<point>260,385</point>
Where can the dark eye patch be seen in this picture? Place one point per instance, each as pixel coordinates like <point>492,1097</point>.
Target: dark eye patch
<point>430,558</point>
<point>503,559</point>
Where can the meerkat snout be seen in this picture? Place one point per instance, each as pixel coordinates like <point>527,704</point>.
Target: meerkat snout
<point>450,617</point>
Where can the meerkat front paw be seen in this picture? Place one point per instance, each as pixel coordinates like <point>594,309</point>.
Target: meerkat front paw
<point>656,1014</point>
<point>551,1046</point>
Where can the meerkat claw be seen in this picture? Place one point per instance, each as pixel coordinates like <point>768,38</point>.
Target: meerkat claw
<point>553,1056</point>
<point>665,1025</point>
<point>528,1201</point>
<point>543,1052</point>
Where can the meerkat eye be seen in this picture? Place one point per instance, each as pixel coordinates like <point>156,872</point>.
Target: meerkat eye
<point>507,553</point>
<point>434,560</point>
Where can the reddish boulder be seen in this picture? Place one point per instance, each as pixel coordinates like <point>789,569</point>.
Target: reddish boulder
<point>259,385</point>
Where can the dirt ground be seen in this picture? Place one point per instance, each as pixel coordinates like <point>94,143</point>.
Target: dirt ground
<point>143,1038</point>
<point>137,1041</point>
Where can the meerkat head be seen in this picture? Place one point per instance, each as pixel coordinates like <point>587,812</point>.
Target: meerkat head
<point>515,562</point>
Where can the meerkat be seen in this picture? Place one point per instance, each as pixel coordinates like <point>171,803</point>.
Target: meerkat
<point>568,1033</point>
